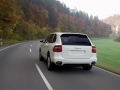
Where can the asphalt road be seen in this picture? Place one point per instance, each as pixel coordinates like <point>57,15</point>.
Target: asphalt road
<point>20,69</point>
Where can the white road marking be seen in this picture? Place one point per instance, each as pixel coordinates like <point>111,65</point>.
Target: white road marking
<point>34,43</point>
<point>43,77</point>
<point>9,46</point>
<point>107,71</point>
<point>30,50</point>
<point>31,44</point>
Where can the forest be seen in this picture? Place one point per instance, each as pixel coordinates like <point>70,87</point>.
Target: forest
<point>35,19</point>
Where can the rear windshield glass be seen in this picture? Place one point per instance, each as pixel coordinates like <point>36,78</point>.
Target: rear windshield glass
<point>75,39</point>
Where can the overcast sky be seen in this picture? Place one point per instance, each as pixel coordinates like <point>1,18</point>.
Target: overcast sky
<point>100,8</point>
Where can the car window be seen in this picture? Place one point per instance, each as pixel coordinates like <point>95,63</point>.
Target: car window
<point>50,38</point>
<point>47,39</point>
<point>75,39</point>
<point>54,38</point>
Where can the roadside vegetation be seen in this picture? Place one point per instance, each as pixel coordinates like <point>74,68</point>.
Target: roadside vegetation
<point>34,19</point>
<point>118,39</point>
<point>108,53</point>
<point>8,42</point>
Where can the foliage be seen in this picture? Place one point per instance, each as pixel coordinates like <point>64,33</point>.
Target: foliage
<point>118,39</point>
<point>114,21</point>
<point>9,17</point>
<point>33,19</point>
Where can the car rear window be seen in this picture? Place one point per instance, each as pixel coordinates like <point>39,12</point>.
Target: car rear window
<point>75,39</point>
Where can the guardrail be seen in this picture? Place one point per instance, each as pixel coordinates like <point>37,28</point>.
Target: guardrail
<point>1,41</point>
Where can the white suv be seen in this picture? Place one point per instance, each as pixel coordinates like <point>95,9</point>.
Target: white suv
<point>61,48</point>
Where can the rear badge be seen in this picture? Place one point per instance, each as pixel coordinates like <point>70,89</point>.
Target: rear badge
<point>77,48</point>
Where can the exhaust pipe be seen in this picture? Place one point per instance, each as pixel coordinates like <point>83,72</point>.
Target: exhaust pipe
<point>59,63</point>
<point>93,63</point>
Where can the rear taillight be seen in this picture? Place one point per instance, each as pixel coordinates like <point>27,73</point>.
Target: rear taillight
<point>93,49</point>
<point>57,48</point>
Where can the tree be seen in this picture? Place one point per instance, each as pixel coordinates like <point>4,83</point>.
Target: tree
<point>9,17</point>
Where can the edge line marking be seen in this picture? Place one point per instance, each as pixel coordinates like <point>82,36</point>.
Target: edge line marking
<point>30,50</point>
<point>107,71</point>
<point>9,46</point>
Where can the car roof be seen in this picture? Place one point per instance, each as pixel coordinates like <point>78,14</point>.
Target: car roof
<point>67,33</point>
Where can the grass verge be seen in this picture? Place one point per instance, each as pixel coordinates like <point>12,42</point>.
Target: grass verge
<point>8,42</point>
<point>108,54</point>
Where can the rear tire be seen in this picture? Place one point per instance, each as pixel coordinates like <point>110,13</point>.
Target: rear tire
<point>40,56</point>
<point>49,64</point>
<point>87,67</point>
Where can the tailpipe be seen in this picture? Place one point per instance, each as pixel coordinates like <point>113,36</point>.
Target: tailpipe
<point>93,63</point>
<point>59,63</point>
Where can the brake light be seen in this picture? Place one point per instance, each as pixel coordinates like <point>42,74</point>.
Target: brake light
<point>57,48</point>
<point>94,49</point>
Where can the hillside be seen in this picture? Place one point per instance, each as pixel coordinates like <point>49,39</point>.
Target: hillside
<point>114,21</point>
<point>34,19</point>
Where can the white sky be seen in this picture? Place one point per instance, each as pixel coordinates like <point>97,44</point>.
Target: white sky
<point>100,8</point>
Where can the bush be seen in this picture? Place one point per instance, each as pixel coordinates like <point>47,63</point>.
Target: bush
<point>118,39</point>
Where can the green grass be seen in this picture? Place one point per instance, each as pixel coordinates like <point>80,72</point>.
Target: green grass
<point>108,54</point>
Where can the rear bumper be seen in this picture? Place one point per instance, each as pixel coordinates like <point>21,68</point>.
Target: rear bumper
<point>57,57</point>
<point>74,61</point>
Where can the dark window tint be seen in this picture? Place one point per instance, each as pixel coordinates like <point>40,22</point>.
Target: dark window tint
<point>75,39</point>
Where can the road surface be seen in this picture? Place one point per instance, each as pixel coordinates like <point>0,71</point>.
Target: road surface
<point>20,69</point>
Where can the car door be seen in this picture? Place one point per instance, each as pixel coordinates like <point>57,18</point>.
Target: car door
<point>43,46</point>
<point>47,44</point>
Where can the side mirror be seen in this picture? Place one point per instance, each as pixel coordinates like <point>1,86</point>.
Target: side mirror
<point>41,40</point>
